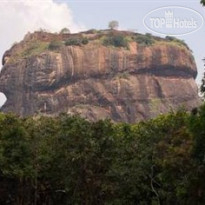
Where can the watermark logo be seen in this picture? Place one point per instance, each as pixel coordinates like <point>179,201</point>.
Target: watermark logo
<point>173,20</point>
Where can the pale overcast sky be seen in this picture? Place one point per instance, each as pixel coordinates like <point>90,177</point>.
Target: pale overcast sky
<point>17,17</point>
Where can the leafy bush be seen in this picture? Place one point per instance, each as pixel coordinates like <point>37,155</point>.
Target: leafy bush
<point>177,41</point>
<point>76,41</point>
<point>55,45</point>
<point>145,40</point>
<point>92,31</point>
<point>170,38</point>
<point>116,41</point>
<point>73,42</point>
<point>149,35</point>
<point>84,41</point>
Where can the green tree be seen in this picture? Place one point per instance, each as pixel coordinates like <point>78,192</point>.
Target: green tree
<point>43,136</point>
<point>65,31</point>
<point>15,160</point>
<point>197,128</point>
<point>113,25</point>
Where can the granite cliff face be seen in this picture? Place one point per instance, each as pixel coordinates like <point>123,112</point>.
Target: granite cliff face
<point>98,81</point>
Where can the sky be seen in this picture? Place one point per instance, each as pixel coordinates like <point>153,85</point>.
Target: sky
<point>17,17</point>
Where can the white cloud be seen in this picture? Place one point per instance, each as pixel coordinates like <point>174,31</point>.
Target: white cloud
<point>18,17</point>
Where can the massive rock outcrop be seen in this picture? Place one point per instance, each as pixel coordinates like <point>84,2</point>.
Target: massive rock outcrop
<point>97,81</point>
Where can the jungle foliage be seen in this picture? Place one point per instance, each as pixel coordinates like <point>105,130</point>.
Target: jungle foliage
<point>67,160</point>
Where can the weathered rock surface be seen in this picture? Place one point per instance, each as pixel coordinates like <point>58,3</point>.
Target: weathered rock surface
<point>98,81</point>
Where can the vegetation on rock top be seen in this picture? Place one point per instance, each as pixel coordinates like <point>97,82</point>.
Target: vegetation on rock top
<point>116,41</point>
<point>76,41</point>
<point>111,38</point>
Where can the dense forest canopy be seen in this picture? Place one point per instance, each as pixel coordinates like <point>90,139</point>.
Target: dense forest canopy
<point>68,160</point>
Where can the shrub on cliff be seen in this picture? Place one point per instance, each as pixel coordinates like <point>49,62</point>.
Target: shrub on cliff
<point>177,41</point>
<point>76,41</point>
<point>73,42</point>
<point>92,31</point>
<point>116,41</point>
<point>54,45</point>
<point>145,40</point>
<point>84,41</point>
